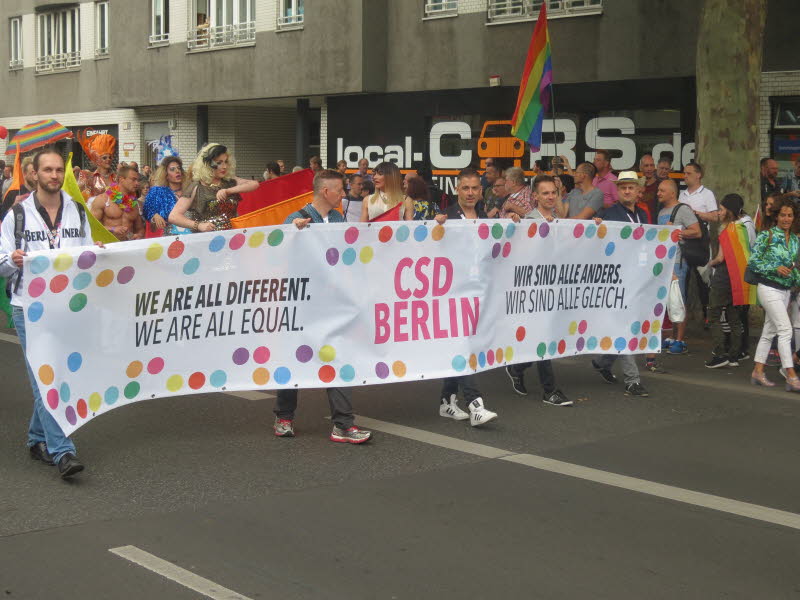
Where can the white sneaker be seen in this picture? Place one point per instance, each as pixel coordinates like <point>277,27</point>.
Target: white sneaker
<point>478,415</point>
<point>450,409</point>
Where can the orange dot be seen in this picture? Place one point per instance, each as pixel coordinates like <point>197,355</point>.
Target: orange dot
<point>605,343</point>
<point>104,278</point>
<point>643,343</point>
<point>498,355</point>
<point>326,373</point>
<point>260,376</point>
<point>602,231</point>
<point>134,369</point>
<point>437,233</point>
<point>473,362</point>
<point>399,368</point>
<point>46,375</point>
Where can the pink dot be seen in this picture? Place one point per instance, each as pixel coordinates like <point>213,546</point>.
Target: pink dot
<point>52,399</point>
<point>351,235</point>
<point>661,251</point>
<point>483,231</point>
<point>638,233</point>
<point>490,357</point>
<point>237,241</point>
<point>633,344</point>
<point>578,231</point>
<point>506,249</point>
<point>37,287</point>
<point>155,366</point>
<point>582,327</point>
<point>59,283</point>
<point>261,355</point>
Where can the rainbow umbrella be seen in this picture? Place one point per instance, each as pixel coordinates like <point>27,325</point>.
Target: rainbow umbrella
<point>36,135</point>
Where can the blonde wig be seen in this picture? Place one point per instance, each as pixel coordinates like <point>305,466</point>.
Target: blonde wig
<point>202,169</point>
<point>160,178</point>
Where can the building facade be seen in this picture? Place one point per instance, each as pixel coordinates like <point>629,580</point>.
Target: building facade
<point>412,81</point>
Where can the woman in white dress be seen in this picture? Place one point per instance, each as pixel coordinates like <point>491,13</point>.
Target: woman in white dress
<point>388,194</point>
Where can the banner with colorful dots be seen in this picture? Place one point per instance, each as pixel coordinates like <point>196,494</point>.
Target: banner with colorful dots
<point>334,305</point>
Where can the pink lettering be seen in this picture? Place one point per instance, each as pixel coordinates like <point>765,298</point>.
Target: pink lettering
<point>440,288</point>
<point>382,331</point>
<point>404,263</point>
<point>419,318</point>
<point>400,320</point>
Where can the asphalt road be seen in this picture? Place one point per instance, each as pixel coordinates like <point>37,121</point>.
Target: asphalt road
<point>691,493</point>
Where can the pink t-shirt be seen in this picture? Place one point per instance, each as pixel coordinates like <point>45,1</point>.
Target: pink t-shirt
<point>608,186</point>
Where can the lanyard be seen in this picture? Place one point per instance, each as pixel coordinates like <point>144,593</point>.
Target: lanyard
<point>630,218</point>
<point>52,231</point>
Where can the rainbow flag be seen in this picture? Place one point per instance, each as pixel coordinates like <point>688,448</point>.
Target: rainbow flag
<point>535,93</point>
<point>735,243</point>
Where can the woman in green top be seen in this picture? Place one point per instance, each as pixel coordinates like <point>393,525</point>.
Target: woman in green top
<point>774,261</point>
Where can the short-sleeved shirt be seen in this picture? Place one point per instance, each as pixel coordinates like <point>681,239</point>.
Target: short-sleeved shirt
<point>607,185</point>
<point>684,218</point>
<point>454,211</point>
<point>578,201</point>
<point>521,198</point>
<point>701,200</point>
<point>767,187</point>
<point>334,216</point>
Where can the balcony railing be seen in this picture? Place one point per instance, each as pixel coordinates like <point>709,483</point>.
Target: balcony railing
<point>441,8</point>
<point>290,22</point>
<point>15,64</point>
<point>500,10</point>
<point>222,36</point>
<point>159,38</point>
<point>58,62</point>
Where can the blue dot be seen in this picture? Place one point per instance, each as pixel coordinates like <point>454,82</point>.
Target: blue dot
<point>218,379</point>
<point>283,375</point>
<point>620,344</point>
<point>610,247</point>
<point>39,265</point>
<point>510,228</point>
<point>551,348</point>
<point>651,234</point>
<point>191,266</point>
<point>217,244</point>
<point>482,359</point>
<point>662,292</point>
<point>420,233</point>
<point>74,361</point>
<point>111,395</point>
<point>459,363</point>
<point>655,342</point>
<point>35,312</point>
<point>347,373</point>
<point>672,251</point>
<point>590,230</point>
<point>401,235</point>
<point>349,256</point>
<point>591,343</point>
<point>82,281</point>
<point>64,392</point>
<point>636,327</point>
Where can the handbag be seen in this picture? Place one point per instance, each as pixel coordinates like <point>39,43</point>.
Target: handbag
<point>750,276</point>
<point>695,252</point>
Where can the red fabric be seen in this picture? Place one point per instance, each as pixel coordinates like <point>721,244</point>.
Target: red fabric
<point>393,214</point>
<point>276,190</point>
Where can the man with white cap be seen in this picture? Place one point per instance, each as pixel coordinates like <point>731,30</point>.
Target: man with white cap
<point>625,210</point>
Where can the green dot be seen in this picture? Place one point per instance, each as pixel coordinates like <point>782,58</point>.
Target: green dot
<point>541,349</point>
<point>657,268</point>
<point>77,302</point>
<point>626,232</point>
<point>275,237</point>
<point>497,231</point>
<point>131,390</point>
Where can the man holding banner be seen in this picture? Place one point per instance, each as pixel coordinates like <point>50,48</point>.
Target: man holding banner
<point>47,219</point>
<point>328,194</point>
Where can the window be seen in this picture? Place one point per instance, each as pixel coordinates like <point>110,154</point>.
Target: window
<point>291,14</point>
<point>441,8</point>
<point>101,17</point>
<point>502,10</point>
<point>159,22</point>
<point>222,23</point>
<point>58,44</point>
<point>15,36</point>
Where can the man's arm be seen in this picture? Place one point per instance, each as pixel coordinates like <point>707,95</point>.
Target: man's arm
<point>691,232</point>
<point>8,247</point>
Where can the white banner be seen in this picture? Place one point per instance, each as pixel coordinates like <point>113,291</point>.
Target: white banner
<point>334,305</point>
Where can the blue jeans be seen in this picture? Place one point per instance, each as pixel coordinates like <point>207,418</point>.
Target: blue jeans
<point>43,427</point>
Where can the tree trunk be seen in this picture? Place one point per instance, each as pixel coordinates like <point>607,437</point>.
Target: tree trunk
<point>729,52</point>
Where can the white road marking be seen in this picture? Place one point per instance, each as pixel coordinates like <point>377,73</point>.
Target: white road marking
<point>633,484</point>
<point>201,585</point>
<point>6,337</point>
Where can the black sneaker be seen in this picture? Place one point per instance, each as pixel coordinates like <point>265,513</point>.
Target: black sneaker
<point>636,389</point>
<point>517,381</point>
<point>556,398</point>
<point>743,356</point>
<point>69,465</point>
<point>607,375</point>
<point>718,361</point>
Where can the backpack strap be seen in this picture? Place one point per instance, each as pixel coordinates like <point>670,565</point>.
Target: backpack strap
<point>19,229</point>
<point>305,213</point>
<point>82,214</point>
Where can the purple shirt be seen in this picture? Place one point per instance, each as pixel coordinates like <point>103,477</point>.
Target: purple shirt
<point>608,186</point>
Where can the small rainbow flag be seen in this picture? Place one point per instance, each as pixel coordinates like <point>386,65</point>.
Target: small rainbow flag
<point>735,243</point>
<point>535,93</point>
